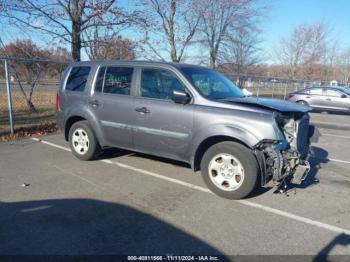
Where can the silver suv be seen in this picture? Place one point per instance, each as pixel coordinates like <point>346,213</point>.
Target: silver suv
<point>187,113</point>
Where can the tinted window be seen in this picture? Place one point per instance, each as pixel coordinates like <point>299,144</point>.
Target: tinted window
<point>346,91</point>
<point>157,83</point>
<point>211,84</point>
<point>77,78</point>
<point>114,80</point>
<point>316,91</point>
<point>118,80</point>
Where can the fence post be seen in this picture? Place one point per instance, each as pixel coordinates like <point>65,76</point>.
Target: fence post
<point>9,96</point>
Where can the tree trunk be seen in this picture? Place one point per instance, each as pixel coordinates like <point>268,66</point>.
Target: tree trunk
<point>212,58</point>
<point>76,40</point>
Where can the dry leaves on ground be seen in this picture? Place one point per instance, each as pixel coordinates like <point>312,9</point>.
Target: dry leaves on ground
<point>29,131</point>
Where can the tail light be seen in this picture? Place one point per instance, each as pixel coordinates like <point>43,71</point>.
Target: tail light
<point>289,96</point>
<point>57,102</point>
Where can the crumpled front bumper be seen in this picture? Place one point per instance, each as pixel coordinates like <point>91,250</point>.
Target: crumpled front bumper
<point>301,172</point>
<point>276,164</point>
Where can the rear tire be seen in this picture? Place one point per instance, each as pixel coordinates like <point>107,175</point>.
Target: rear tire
<point>83,142</point>
<point>230,170</point>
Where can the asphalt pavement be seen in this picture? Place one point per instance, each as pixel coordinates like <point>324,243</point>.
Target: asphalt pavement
<point>128,203</point>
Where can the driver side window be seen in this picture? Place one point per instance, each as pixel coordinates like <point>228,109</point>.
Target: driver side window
<point>159,84</point>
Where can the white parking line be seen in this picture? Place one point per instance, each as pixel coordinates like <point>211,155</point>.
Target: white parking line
<point>51,144</point>
<point>333,135</point>
<point>199,188</point>
<point>338,160</point>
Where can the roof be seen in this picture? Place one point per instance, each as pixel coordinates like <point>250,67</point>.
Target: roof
<point>136,63</point>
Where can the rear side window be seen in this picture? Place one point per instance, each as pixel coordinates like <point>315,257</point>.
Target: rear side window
<point>316,91</point>
<point>114,80</point>
<point>77,78</point>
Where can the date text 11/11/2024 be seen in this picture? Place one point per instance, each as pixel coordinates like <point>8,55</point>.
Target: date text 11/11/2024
<point>173,258</point>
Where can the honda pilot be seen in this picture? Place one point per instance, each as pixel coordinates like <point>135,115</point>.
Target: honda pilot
<point>187,113</point>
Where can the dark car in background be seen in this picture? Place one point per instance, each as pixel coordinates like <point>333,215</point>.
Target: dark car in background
<point>335,99</point>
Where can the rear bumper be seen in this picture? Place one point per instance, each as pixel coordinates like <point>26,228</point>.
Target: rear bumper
<point>60,120</point>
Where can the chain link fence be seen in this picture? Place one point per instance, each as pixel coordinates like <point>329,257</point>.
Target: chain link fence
<point>29,86</point>
<point>270,87</point>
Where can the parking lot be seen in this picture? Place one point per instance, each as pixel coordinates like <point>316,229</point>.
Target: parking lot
<point>127,203</point>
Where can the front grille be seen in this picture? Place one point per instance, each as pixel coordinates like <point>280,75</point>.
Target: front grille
<point>302,134</point>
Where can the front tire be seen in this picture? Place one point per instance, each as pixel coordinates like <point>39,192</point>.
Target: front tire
<point>230,170</point>
<point>83,142</point>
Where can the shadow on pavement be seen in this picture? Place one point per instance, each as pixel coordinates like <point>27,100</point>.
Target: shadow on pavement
<point>342,240</point>
<point>86,226</point>
<point>318,157</point>
<point>117,152</point>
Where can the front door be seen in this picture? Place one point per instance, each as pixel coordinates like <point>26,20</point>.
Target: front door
<point>162,127</point>
<point>113,104</point>
<point>335,101</point>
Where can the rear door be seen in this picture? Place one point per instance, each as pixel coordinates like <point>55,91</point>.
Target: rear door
<point>316,98</point>
<point>163,127</point>
<point>112,101</point>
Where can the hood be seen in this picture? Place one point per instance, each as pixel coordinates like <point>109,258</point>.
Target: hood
<point>268,103</point>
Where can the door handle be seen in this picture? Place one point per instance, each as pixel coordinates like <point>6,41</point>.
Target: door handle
<point>94,103</point>
<point>328,99</point>
<point>142,110</point>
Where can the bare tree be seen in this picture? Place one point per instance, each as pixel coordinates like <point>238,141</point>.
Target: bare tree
<point>171,28</point>
<point>329,60</point>
<point>221,18</point>
<point>67,20</point>
<point>240,52</point>
<point>343,66</point>
<point>110,47</point>
<point>304,50</point>
<point>30,72</point>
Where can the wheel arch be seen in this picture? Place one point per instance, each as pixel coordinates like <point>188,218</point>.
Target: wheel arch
<point>75,116</point>
<point>207,143</point>
<point>70,121</point>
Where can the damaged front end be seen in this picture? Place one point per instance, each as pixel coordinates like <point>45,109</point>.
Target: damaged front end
<point>286,157</point>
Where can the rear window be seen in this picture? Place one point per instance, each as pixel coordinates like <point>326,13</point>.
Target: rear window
<point>77,78</point>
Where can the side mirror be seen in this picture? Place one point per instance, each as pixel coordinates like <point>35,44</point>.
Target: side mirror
<point>180,97</point>
<point>343,96</point>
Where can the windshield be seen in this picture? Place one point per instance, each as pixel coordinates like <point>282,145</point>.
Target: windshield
<point>346,91</point>
<point>211,84</point>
